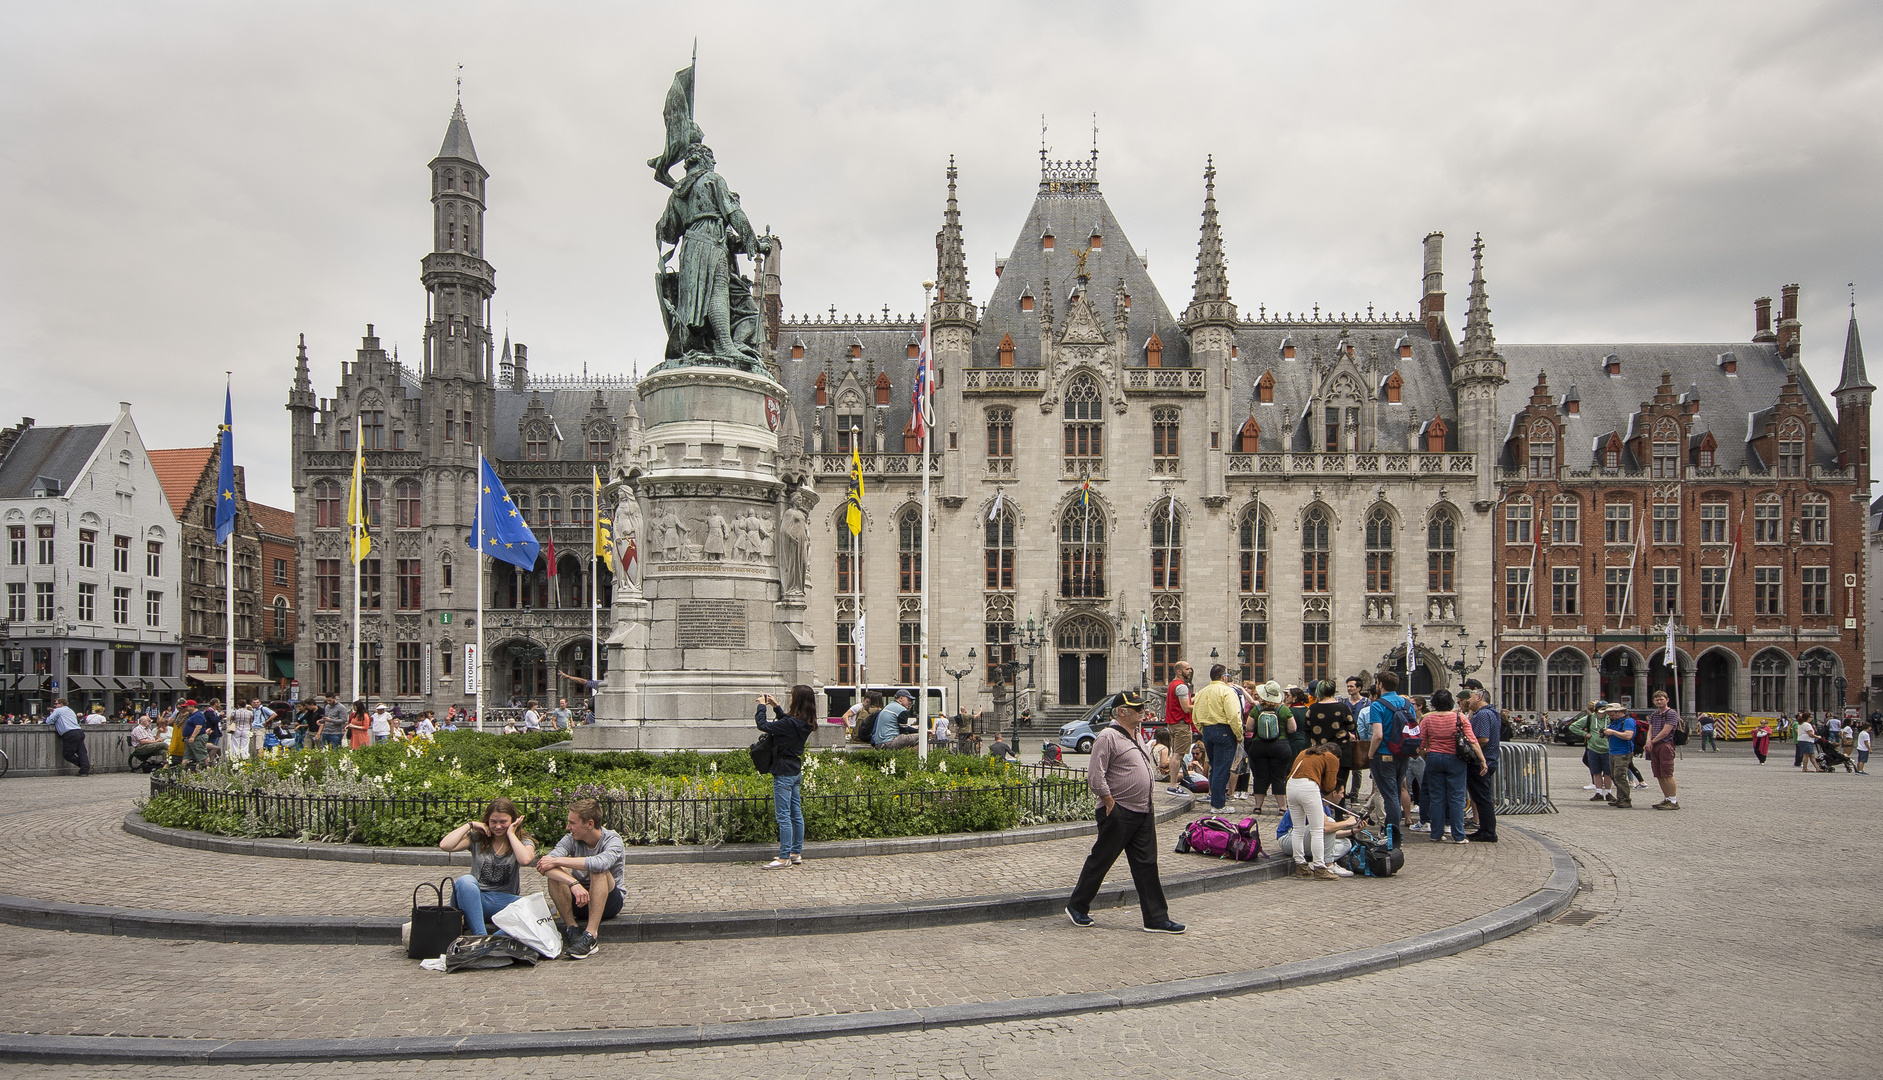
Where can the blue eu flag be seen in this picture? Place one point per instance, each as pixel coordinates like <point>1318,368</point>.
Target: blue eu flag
<point>225,476</point>
<point>499,526</point>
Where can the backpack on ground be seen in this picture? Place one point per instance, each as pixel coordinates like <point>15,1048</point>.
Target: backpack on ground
<point>1268,725</point>
<point>1399,717</point>
<point>1218,837</point>
<point>866,725</point>
<point>1372,855</point>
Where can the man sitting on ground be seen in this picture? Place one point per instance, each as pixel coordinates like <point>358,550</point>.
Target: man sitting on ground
<point>888,733</point>
<point>587,861</point>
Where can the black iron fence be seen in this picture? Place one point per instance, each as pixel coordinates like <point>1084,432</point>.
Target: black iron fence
<point>653,818</point>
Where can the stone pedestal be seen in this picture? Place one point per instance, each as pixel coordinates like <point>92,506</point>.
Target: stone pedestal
<point>710,627</point>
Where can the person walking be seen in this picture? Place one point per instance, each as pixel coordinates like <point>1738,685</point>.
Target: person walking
<point>1806,751</point>
<point>1177,718</point>
<point>1120,776</point>
<point>1360,704</point>
<point>1442,803</point>
<point>1706,736</point>
<point>1762,741</point>
<point>1219,718</point>
<point>1863,752</point>
<point>1487,725</point>
<point>359,727</point>
<point>71,736</point>
<point>788,728</point>
<point>1663,722</point>
<point>1621,754</point>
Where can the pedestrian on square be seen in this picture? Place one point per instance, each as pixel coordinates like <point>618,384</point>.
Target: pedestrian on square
<point>1621,731</point>
<point>1331,721</point>
<point>1706,736</point>
<point>500,847</point>
<point>1314,776</point>
<point>1762,741</point>
<point>1389,765</point>
<point>1805,750</point>
<point>564,718</point>
<point>1360,705</point>
<point>359,726</point>
<point>1863,752</point>
<point>1488,726</point>
<point>532,720</point>
<point>1442,803</point>
<point>381,724</point>
<point>1219,718</point>
<point>235,739</point>
<point>1663,722</point>
<point>1121,777</point>
<point>1595,752</point>
<point>1178,708</point>
<point>1266,743</point>
<point>71,736</point>
<point>789,728</point>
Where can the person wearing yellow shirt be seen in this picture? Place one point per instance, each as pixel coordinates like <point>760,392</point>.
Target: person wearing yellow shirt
<point>1219,720</point>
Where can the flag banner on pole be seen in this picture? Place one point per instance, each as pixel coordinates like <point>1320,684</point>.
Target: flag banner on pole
<point>922,394</point>
<point>1144,650</point>
<point>1000,500</point>
<point>225,475</point>
<point>857,638</point>
<point>1412,657</point>
<point>505,535</point>
<point>1669,658</point>
<point>604,527</point>
<point>549,556</point>
<point>1085,494</point>
<point>356,503</point>
<point>853,500</point>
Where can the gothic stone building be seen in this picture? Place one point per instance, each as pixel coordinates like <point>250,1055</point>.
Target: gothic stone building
<point>1732,506</point>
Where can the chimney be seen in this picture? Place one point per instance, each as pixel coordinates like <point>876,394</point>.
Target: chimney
<point>1762,320</point>
<point>1432,303</point>
<point>1788,328</point>
<point>520,365</point>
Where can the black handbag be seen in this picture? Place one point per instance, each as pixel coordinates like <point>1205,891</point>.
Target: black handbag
<point>434,926</point>
<point>761,752</point>
<point>1468,751</point>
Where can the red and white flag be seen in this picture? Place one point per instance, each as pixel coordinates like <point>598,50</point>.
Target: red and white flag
<point>922,394</point>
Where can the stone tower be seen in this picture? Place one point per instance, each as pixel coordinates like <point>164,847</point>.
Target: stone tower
<point>953,322</point>
<point>1210,322</point>
<point>1853,395</point>
<point>1475,379</point>
<point>458,286</point>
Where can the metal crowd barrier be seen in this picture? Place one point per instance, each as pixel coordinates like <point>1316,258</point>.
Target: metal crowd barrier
<point>1522,781</point>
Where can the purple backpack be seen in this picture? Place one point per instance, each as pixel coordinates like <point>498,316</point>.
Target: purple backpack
<point>1216,836</point>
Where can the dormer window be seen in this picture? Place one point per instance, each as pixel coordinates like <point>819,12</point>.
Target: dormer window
<point>1611,366</point>
<point>1026,302</point>
<point>823,395</point>
<point>1404,348</point>
<point>1006,350</point>
<point>1249,439</point>
<point>1728,362</point>
<point>1046,242</point>
<point>1288,348</point>
<point>1265,388</point>
<point>1435,436</point>
<point>1394,386</point>
<point>797,350</point>
<point>856,350</point>
<point>1096,242</point>
<point>882,388</point>
<point>1154,351</point>
<point>1611,454</point>
<point>915,350</point>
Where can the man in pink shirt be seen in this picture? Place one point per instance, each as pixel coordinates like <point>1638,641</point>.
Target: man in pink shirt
<point>1121,776</point>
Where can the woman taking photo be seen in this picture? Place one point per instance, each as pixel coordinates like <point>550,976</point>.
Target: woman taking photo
<point>500,848</point>
<point>1444,795</point>
<point>788,728</point>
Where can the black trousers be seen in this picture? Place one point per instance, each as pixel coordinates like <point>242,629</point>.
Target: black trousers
<point>1135,834</point>
<point>72,749</point>
<point>1478,790</point>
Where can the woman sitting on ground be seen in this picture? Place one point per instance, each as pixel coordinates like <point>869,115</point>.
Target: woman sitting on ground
<point>1160,753</point>
<point>1315,776</point>
<point>500,848</point>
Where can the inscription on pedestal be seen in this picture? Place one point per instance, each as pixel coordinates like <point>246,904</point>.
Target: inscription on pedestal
<point>709,624</point>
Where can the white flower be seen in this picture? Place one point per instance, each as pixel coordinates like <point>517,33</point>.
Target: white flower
<point>552,766</point>
<point>944,766</point>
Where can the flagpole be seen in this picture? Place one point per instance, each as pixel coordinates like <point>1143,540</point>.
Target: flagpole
<point>1732,557</point>
<point>359,511</point>
<point>594,568</point>
<point>228,551</point>
<point>927,418</point>
<point>477,673</point>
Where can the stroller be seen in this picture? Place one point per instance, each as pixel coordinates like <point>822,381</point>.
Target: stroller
<point>1831,756</point>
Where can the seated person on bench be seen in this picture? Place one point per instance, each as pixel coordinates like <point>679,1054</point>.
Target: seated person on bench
<point>889,733</point>
<point>586,871</point>
<point>144,743</point>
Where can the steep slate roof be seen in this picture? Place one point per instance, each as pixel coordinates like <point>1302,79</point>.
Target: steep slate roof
<point>458,138</point>
<point>1425,391</point>
<point>1729,403</point>
<point>56,452</point>
<point>1072,214</point>
<point>885,342</point>
<point>568,408</point>
<point>179,471</point>
<point>272,520</point>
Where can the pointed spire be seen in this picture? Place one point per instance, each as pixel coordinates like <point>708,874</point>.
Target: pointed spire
<point>951,259</point>
<point>304,381</point>
<point>1854,378</point>
<point>1479,342</point>
<point>1209,301</point>
<point>458,138</point>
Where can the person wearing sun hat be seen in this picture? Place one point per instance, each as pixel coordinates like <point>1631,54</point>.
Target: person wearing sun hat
<point>1121,776</point>
<point>1269,758</point>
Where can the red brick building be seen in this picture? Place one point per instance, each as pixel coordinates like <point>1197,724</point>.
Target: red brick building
<point>280,584</point>
<point>1706,485</point>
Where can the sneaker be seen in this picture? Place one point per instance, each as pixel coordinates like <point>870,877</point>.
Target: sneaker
<point>1588,787</point>
<point>1301,870</point>
<point>1621,805</point>
<point>1641,785</point>
<point>1166,927</point>
<point>1176,791</point>
<point>1462,840</point>
<point>1662,805</point>
<point>776,863</point>
<point>797,860</point>
<point>1324,873</point>
<point>568,937</point>
<point>1340,871</point>
<point>1079,918</point>
<point>583,946</point>
<point>1597,797</point>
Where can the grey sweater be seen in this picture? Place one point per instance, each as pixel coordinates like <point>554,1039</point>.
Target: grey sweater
<point>607,854</point>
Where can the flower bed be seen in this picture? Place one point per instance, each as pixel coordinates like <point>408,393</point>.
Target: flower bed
<point>409,794</point>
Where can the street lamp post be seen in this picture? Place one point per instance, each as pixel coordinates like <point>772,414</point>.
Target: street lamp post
<point>1462,666</point>
<point>960,709</point>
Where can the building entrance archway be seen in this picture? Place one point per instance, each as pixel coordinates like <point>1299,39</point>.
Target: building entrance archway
<point>1084,643</point>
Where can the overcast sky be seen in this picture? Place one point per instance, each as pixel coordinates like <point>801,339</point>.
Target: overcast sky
<point>185,187</point>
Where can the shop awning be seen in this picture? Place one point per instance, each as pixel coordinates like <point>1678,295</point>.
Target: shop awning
<point>284,667</point>
<point>84,682</point>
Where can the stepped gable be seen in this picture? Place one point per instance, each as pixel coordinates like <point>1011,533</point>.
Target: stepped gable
<point>1070,207</point>
<point>1425,381</point>
<point>1733,405</point>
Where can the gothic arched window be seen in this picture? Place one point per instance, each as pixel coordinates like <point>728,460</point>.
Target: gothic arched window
<point>909,551</point>
<point>1252,538</point>
<point>406,502</point>
<point>1441,561</point>
<point>1379,550</point>
<point>1081,551</point>
<point>849,554</point>
<point>1316,553</point>
<point>1791,448</point>
<point>1085,427</point>
<point>1166,546</point>
<point>328,512</point>
<point>999,551</point>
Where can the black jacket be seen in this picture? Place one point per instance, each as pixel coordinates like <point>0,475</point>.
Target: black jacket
<point>788,737</point>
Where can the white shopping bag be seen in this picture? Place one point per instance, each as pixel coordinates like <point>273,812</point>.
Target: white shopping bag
<point>530,921</point>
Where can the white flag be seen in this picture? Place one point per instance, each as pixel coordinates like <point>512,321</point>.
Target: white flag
<point>1412,658</point>
<point>1000,499</point>
<point>1669,658</point>
<point>1144,650</point>
<point>856,639</point>
<point>1173,513</point>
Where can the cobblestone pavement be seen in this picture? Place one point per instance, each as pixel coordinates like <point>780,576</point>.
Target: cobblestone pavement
<point>53,825</point>
<point>1694,961</point>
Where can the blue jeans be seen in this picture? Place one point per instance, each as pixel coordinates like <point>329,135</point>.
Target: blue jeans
<point>1387,776</point>
<point>1220,743</point>
<point>788,805</point>
<point>477,904</point>
<point>331,738</point>
<point>1444,794</point>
